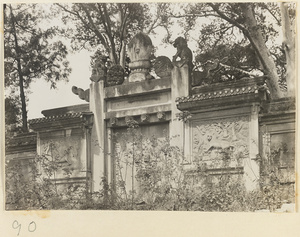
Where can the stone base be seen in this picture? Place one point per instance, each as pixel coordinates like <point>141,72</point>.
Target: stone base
<point>138,76</point>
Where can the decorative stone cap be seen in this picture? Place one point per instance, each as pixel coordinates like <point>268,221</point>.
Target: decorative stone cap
<point>244,82</point>
<point>67,109</point>
<point>62,121</point>
<point>244,91</point>
<point>55,118</point>
<point>219,93</point>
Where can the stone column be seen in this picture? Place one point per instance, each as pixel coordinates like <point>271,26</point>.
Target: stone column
<point>251,164</point>
<point>180,87</point>
<point>99,163</point>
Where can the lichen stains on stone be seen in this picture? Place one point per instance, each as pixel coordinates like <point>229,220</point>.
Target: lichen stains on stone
<point>140,37</point>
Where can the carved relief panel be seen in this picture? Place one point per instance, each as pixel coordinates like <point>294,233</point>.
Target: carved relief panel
<point>66,153</point>
<point>220,142</point>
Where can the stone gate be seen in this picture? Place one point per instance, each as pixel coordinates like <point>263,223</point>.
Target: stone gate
<point>228,126</point>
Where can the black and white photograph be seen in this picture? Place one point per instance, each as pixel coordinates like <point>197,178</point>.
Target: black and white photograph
<point>182,107</point>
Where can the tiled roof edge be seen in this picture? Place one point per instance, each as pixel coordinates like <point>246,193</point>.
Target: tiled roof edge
<point>217,94</point>
<point>55,118</point>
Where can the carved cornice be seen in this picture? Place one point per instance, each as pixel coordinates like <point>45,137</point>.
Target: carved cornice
<point>150,118</point>
<point>218,94</point>
<point>223,97</point>
<point>54,118</point>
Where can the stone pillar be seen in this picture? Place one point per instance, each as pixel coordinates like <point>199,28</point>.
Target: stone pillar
<point>99,164</point>
<point>180,87</point>
<point>88,125</point>
<point>251,164</point>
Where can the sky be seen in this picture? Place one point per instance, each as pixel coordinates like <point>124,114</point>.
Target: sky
<point>42,97</point>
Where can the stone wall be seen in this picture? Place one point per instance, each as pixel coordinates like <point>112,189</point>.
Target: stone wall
<point>228,127</point>
<point>277,141</point>
<point>63,136</point>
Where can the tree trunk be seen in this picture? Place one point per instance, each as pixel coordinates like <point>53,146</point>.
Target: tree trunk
<point>122,53</point>
<point>289,48</point>
<point>255,36</point>
<point>21,79</point>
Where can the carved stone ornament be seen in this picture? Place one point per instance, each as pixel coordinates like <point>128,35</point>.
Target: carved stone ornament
<point>145,118</point>
<point>139,51</point>
<point>161,115</point>
<point>183,52</point>
<point>82,94</point>
<point>163,66</point>
<point>115,75</point>
<point>99,70</point>
<point>224,139</point>
<point>113,121</point>
<point>128,119</point>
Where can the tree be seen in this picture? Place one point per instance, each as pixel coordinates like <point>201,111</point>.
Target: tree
<point>30,53</point>
<point>110,26</point>
<point>288,28</point>
<point>250,24</point>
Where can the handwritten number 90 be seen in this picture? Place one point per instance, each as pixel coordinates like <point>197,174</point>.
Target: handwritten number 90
<point>31,226</point>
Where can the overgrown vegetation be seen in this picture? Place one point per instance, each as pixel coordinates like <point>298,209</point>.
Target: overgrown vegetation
<point>151,174</point>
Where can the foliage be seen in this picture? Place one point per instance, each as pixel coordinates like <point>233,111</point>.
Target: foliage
<point>32,185</point>
<point>108,27</point>
<point>30,53</point>
<point>252,29</point>
<point>12,117</point>
<point>150,174</point>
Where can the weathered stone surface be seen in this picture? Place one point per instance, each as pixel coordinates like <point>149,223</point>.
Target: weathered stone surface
<point>225,95</point>
<point>221,141</point>
<point>242,84</point>
<point>82,94</point>
<point>99,69</point>
<point>183,52</point>
<point>115,75</point>
<point>67,109</point>
<point>145,118</point>
<point>22,143</point>
<point>142,87</point>
<point>163,66</point>
<point>140,48</point>
<point>139,51</point>
<point>161,115</point>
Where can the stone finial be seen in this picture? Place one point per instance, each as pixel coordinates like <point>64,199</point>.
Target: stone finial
<point>139,51</point>
<point>183,52</point>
